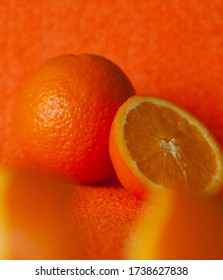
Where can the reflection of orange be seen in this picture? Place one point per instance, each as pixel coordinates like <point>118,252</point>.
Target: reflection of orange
<point>65,112</point>
<point>176,226</point>
<point>41,218</point>
<point>155,144</point>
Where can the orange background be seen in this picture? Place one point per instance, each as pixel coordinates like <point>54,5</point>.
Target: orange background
<point>171,48</point>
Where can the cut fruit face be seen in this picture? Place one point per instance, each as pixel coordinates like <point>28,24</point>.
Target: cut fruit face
<point>167,147</point>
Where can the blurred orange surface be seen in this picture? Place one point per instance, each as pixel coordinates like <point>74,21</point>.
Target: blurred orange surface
<point>43,218</point>
<point>168,48</point>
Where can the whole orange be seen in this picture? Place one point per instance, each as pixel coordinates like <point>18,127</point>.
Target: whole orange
<point>64,114</point>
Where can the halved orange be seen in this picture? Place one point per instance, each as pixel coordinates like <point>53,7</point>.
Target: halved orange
<point>155,144</point>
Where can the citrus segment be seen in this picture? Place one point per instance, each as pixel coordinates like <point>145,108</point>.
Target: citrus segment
<point>163,146</point>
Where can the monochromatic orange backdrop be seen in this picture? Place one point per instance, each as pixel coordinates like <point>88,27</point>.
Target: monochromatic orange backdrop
<point>171,48</point>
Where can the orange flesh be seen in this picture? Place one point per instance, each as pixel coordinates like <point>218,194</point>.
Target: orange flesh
<point>168,149</point>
